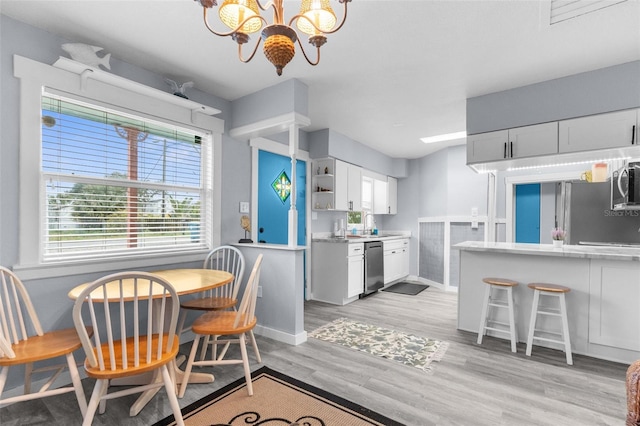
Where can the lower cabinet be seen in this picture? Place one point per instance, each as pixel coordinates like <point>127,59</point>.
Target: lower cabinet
<point>355,270</point>
<point>337,271</point>
<point>396,259</point>
<point>614,297</point>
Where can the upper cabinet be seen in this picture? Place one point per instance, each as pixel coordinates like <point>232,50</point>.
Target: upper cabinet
<point>586,139</point>
<point>392,195</point>
<point>348,186</point>
<point>520,142</point>
<point>603,131</point>
<point>385,195</point>
<point>337,185</point>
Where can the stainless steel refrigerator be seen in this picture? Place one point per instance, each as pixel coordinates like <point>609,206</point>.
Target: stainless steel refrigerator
<point>585,209</point>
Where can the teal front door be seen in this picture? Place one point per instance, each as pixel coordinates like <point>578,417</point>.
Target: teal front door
<point>274,198</point>
<point>528,213</point>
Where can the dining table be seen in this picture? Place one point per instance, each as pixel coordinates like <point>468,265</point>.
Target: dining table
<point>185,281</point>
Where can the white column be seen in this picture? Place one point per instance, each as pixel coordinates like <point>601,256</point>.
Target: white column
<point>293,212</point>
<point>491,208</point>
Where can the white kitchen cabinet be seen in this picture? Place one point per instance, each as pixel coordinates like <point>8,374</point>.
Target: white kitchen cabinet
<point>602,131</point>
<point>348,186</point>
<point>337,271</point>
<point>385,196</point>
<point>392,195</point>
<point>355,270</point>
<point>396,259</point>
<point>380,190</point>
<point>614,297</point>
<point>519,142</point>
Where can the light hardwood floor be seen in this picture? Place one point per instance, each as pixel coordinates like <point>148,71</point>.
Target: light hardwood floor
<point>479,385</point>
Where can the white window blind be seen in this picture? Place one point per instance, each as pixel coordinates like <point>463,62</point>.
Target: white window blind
<point>116,184</point>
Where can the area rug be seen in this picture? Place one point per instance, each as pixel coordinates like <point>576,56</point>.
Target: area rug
<point>405,287</point>
<point>408,349</point>
<point>277,400</point>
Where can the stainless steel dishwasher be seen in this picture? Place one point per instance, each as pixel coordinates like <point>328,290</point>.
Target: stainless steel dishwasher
<point>373,267</point>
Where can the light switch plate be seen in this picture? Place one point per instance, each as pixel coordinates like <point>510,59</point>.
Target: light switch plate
<point>244,207</point>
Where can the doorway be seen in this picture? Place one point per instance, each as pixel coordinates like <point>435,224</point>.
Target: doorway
<point>527,213</point>
<point>274,198</point>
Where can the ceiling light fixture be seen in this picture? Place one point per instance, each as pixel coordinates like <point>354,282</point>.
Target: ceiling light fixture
<point>445,137</point>
<point>316,18</point>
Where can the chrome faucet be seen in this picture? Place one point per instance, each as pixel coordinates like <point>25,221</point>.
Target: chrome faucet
<point>364,223</point>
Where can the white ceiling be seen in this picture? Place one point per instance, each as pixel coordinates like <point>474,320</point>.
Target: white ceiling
<point>397,71</point>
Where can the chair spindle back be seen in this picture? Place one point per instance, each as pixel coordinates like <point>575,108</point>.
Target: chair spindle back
<point>15,309</point>
<point>130,315</point>
<point>230,259</point>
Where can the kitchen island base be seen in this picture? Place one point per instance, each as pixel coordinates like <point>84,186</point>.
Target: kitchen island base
<point>602,307</point>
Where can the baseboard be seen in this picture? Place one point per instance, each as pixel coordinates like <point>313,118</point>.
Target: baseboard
<point>281,336</point>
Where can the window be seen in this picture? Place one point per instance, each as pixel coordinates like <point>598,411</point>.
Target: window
<point>73,92</point>
<point>117,184</point>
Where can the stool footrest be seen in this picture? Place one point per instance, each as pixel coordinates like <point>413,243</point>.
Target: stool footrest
<point>498,329</point>
<point>544,339</point>
<point>553,313</point>
<point>499,304</point>
<point>555,333</point>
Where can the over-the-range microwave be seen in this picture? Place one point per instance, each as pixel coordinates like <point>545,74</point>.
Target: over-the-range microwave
<point>625,187</point>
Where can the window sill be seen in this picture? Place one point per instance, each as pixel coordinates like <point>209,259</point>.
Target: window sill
<point>161,261</point>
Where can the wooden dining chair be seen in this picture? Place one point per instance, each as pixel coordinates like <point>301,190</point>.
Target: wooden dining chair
<point>224,258</point>
<point>23,343</point>
<point>226,324</point>
<point>135,332</point>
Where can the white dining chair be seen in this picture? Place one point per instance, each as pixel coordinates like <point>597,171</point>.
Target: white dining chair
<point>224,258</point>
<point>226,324</point>
<point>23,342</point>
<point>135,332</point>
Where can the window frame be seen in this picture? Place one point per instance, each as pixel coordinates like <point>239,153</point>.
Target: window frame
<point>118,94</point>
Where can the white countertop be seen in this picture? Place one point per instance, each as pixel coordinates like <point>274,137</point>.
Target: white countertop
<point>579,251</point>
<point>328,238</point>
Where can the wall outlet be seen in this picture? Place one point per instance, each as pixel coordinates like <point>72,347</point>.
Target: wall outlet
<point>244,207</point>
<point>259,291</point>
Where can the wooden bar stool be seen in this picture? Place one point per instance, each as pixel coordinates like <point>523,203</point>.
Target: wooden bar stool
<point>491,301</point>
<point>542,289</point>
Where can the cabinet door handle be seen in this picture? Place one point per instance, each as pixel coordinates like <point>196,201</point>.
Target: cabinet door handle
<point>633,135</point>
<point>505,151</point>
<point>389,209</point>
<point>511,149</point>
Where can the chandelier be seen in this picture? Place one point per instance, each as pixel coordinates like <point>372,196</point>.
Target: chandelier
<point>316,18</point>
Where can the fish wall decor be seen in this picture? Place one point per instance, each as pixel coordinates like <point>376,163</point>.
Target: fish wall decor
<point>86,54</point>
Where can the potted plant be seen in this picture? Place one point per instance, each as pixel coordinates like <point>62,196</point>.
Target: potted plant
<point>558,235</point>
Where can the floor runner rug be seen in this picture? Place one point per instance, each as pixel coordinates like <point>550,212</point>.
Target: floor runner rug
<point>405,287</point>
<point>408,349</point>
<point>277,400</point>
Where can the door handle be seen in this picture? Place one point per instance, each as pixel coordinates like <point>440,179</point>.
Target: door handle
<point>633,135</point>
<point>505,151</point>
<point>511,149</point>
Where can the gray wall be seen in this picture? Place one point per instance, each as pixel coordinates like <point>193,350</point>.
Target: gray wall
<point>50,295</point>
<point>279,99</point>
<point>329,143</point>
<point>594,92</point>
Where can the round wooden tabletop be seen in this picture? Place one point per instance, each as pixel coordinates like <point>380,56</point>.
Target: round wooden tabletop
<point>185,281</point>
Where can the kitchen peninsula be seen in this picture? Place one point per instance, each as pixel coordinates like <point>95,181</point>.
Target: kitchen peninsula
<point>603,305</point>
